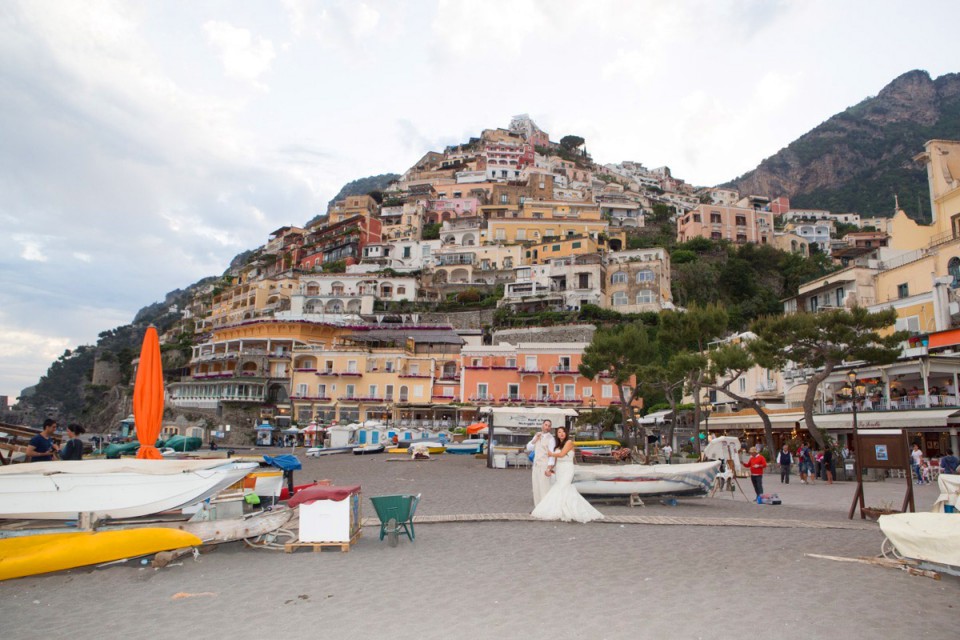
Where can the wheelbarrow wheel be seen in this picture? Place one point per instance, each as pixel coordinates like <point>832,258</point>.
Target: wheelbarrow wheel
<point>393,532</point>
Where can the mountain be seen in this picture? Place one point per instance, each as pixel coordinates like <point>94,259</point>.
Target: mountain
<point>860,158</point>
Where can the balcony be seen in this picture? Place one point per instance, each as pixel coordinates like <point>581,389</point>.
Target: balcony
<point>327,372</point>
<point>310,398</point>
<point>414,375</point>
<point>446,398</point>
<point>535,372</point>
<point>564,370</point>
<point>350,374</point>
<point>476,367</point>
<point>305,370</point>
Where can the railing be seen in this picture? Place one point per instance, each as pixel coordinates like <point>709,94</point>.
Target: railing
<point>905,403</point>
<point>563,369</point>
<point>532,371</point>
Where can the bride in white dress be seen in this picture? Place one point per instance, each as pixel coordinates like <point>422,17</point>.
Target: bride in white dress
<point>563,501</point>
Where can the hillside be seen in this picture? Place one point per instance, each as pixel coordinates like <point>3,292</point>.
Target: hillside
<point>860,158</point>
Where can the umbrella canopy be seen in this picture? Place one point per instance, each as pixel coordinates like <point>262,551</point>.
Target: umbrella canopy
<point>312,428</point>
<point>291,430</point>
<point>148,396</point>
<point>477,427</point>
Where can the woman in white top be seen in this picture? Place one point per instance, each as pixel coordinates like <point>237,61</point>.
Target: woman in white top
<point>563,501</point>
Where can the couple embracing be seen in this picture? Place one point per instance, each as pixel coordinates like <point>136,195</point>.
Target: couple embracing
<point>554,496</point>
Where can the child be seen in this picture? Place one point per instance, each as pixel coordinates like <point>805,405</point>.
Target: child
<point>924,472</point>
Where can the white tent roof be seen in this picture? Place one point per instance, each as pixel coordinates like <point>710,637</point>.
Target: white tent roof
<point>657,417</point>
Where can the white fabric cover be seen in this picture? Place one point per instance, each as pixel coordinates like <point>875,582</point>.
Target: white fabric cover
<point>934,537</point>
<point>949,492</point>
<point>124,465</point>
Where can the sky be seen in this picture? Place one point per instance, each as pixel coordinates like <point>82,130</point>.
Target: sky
<point>144,144</point>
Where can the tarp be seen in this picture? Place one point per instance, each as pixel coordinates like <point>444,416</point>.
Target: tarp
<point>477,427</point>
<point>949,492</point>
<point>934,537</point>
<point>723,448</point>
<point>322,492</point>
<point>148,396</point>
<point>286,462</point>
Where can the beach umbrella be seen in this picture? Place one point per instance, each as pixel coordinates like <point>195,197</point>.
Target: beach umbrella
<point>476,428</point>
<point>148,396</point>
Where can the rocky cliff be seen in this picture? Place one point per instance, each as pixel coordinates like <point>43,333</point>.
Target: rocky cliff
<point>860,158</point>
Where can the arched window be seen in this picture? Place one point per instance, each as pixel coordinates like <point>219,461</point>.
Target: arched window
<point>645,297</point>
<point>619,299</point>
<point>646,275</point>
<point>953,268</point>
<point>620,277</point>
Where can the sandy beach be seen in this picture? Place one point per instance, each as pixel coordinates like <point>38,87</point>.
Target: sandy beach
<point>519,579</point>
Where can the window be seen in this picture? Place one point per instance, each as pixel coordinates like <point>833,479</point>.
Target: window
<point>351,391</point>
<point>555,247</point>
<point>564,363</point>
<point>569,392</point>
<point>741,221</point>
<point>501,234</point>
<point>513,391</point>
<point>715,217</point>
<point>406,252</point>
<point>696,217</point>
<point>576,245</point>
<point>388,366</point>
<point>352,366</point>
<point>482,391</point>
<point>645,297</point>
<point>587,392</point>
<point>741,238</point>
<point>403,394</point>
<point>457,194</point>
<point>840,296</point>
<point>606,391</point>
<point>301,390</point>
<point>388,392</point>
<point>953,269</point>
<point>372,391</point>
<point>418,391</point>
<point>321,391</point>
<point>743,384</point>
<point>503,197</point>
<point>543,392</point>
<point>530,363</point>
<point>903,290</point>
<point>646,275</point>
<point>414,369</point>
<point>619,299</point>
<point>715,235</point>
<point>521,234</point>
<point>620,277</point>
<point>511,362</point>
<point>477,362</point>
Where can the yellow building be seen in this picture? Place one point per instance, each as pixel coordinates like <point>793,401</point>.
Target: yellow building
<point>921,284</point>
<point>352,206</point>
<point>515,230</point>
<point>562,248</point>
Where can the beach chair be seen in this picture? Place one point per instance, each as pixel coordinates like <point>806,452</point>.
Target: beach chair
<point>396,515</point>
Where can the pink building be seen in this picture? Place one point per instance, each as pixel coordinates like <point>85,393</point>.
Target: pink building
<point>735,224</point>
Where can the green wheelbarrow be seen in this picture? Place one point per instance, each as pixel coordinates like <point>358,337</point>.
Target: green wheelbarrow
<point>396,515</point>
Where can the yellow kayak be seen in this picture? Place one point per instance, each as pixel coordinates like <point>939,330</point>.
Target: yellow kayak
<point>30,555</point>
<point>596,443</point>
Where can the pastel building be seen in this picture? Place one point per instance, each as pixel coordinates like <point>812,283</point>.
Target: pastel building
<point>534,374</point>
<point>638,280</point>
<point>735,224</point>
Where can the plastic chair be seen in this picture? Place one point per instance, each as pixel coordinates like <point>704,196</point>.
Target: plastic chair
<point>396,514</point>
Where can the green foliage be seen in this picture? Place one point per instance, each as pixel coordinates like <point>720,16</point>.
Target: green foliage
<point>469,295</point>
<point>571,142</point>
<point>682,256</point>
<point>335,266</point>
<point>431,231</point>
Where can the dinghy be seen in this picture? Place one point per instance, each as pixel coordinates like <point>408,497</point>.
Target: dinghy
<point>111,488</point>
<point>643,480</point>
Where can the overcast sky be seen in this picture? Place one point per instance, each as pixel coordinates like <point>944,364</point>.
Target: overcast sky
<point>144,144</point>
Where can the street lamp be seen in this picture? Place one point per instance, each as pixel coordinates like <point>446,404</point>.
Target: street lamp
<point>852,377</point>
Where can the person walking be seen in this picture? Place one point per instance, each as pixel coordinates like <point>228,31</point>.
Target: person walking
<point>805,463</point>
<point>916,457</point>
<point>541,445</point>
<point>73,450</point>
<point>757,464</point>
<point>41,447</point>
<point>949,463</point>
<point>828,465</point>
<point>784,459</point>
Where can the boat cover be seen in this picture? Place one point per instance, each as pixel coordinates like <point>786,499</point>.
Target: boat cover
<point>285,462</point>
<point>86,467</point>
<point>321,492</point>
<point>933,537</point>
<point>949,492</point>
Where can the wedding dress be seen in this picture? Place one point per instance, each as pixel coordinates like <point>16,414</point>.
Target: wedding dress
<point>563,501</point>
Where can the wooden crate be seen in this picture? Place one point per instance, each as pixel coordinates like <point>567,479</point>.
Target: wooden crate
<point>344,547</point>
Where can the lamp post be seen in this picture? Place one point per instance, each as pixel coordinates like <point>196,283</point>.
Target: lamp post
<point>858,497</point>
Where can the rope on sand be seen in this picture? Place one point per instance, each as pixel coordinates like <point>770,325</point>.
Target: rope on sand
<point>649,520</point>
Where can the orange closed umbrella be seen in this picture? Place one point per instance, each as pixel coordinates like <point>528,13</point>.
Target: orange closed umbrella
<point>477,427</point>
<point>148,396</point>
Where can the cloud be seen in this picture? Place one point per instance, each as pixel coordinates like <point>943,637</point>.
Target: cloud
<point>243,56</point>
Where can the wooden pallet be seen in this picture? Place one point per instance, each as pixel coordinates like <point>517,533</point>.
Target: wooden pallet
<point>344,547</point>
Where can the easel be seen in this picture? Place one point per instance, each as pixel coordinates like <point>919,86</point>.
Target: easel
<point>732,468</point>
<point>881,449</point>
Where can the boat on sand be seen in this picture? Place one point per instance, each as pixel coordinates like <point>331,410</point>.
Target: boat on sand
<point>646,480</point>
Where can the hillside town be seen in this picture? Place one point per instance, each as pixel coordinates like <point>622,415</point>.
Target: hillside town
<point>367,312</point>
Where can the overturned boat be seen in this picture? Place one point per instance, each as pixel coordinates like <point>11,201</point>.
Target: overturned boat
<point>655,480</point>
<point>111,488</point>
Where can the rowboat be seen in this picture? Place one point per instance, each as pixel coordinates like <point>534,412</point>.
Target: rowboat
<point>30,555</point>
<point>111,488</point>
<point>654,480</point>
<point>365,449</point>
<point>316,452</point>
<point>604,447</point>
<point>470,446</point>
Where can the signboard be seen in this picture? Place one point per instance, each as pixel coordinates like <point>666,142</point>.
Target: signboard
<point>531,418</point>
<point>884,451</point>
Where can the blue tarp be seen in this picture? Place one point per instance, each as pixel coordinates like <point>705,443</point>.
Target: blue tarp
<point>286,462</point>
<point>264,427</point>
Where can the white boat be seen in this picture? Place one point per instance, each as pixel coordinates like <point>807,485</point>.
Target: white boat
<point>111,488</point>
<point>469,446</point>
<point>365,449</point>
<point>653,480</point>
<point>316,452</point>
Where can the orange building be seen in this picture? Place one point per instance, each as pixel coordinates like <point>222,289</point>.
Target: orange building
<point>532,374</point>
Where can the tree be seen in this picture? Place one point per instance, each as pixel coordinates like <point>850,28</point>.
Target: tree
<point>670,379</point>
<point>823,341</point>
<point>571,142</point>
<point>431,231</point>
<point>617,353</point>
<point>728,363</point>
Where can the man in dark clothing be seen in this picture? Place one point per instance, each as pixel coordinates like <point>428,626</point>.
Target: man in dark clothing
<point>41,447</point>
<point>784,459</point>
<point>949,463</point>
<point>828,467</point>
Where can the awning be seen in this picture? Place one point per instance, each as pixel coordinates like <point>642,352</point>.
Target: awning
<point>657,417</point>
<point>919,419</point>
<point>750,420</point>
<point>797,393</point>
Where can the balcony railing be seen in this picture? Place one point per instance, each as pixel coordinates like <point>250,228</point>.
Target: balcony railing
<point>532,371</point>
<point>327,372</point>
<point>905,403</point>
<point>563,369</point>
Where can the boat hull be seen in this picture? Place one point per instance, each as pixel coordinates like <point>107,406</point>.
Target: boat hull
<point>316,452</point>
<point>368,449</point>
<point>32,555</point>
<point>657,480</point>
<point>111,488</point>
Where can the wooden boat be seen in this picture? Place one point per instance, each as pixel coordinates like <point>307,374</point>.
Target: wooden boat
<point>646,480</point>
<point>470,446</point>
<point>400,450</point>
<point>31,555</point>
<point>111,488</point>
<point>366,449</point>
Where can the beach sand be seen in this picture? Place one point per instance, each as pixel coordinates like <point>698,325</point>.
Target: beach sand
<point>517,579</point>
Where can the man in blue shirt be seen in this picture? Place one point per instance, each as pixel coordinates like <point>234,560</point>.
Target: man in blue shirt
<point>41,447</point>
<point>949,463</point>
